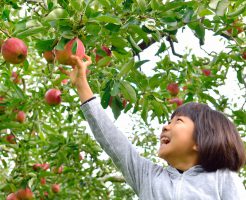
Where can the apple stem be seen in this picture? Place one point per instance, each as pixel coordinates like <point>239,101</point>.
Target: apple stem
<point>6,33</point>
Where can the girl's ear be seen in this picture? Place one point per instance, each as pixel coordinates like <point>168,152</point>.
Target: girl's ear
<point>195,147</point>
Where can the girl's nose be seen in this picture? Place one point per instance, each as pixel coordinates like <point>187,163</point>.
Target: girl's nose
<point>166,128</point>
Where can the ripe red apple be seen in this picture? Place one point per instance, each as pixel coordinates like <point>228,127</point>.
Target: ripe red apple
<point>21,116</point>
<point>176,101</point>
<point>107,53</point>
<point>12,196</point>
<point>14,51</point>
<point>64,81</point>
<point>206,72</point>
<point>49,56</point>
<point>45,166</point>
<point>42,181</point>
<point>37,166</point>
<point>58,170</point>
<point>55,188</point>
<point>11,139</point>
<point>244,55</point>
<point>173,88</point>
<point>15,78</point>
<point>53,97</point>
<point>63,56</point>
<point>24,194</point>
<point>81,156</point>
<point>236,28</point>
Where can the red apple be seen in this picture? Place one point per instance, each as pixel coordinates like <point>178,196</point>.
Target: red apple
<point>124,103</point>
<point>236,28</point>
<point>45,166</point>
<point>244,55</point>
<point>53,97</point>
<point>81,156</point>
<point>21,116</point>
<point>173,88</point>
<point>24,194</point>
<point>176,101</point>
<point>14,51</point>
<point>110,101</point>
<point>12,196</point>
<point>58,170</point>
<point>49,56</point>
<point>206,72</point>
<point>37,166</point>
<point>15,78</point>
<point>64,81</point>
<point>11,139</point>
<point>107,53</point>
<point>42,181</point>
<point>2,108</point>
<point>63,56</point>
<point>55,188</point>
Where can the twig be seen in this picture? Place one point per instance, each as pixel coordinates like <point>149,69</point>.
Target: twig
<point>172,47</point>
<point>5,32</point>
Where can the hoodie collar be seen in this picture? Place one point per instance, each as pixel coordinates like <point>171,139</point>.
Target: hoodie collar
<point>197,169</point>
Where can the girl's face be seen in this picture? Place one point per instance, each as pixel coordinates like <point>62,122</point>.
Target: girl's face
<point>176,141</point>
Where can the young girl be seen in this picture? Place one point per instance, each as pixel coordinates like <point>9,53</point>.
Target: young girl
<point>202,147</point>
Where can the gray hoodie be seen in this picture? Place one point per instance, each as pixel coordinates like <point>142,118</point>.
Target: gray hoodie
<point>153,182</point>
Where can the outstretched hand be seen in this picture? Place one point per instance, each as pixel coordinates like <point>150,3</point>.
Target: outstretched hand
<point>79,69</point>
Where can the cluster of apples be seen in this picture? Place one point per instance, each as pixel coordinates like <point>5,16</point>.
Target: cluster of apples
<point>173,89</point>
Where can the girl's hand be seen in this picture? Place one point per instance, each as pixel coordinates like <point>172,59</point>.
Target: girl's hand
<point>79,69</point>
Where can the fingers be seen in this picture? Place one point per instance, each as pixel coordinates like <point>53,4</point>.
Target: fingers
<point>88,60</point>
<point>80,63</point>
<point>64,71</point>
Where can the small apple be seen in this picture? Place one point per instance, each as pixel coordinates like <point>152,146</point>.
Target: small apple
<point>53,97</point>
<point>63,56</point>
<point>45,166</point>
<point>244,55</point>
<point>37,167</point>
<point>173,88</point>
<point>15,78</point>
<point>11,139</point>
<point>206,72</point>
<point>106,52</point>
<point>236,28</point>
<point>176,101</point>
<point>12,196</point>
<point>64,81</point>
<point>24,194</point>
<point>81,156</point>
<point>14,51</point>
<point>55,188</point>
<point>42,181</point>
<point>49,56</point>
<point>2,108</point>
<point>21,116</point>
<point>58,170</point>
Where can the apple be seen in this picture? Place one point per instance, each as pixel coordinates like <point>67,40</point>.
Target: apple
<point>45,166</point>
<point>49,56</point>
<point>176,101</point>
<point>24,194</point>
<point>244,55</point>
<point>53,97</point>
<point>14,51</point>
<point>39,166</point>
<point>173,88</point>
<point>107,53</point>
<point>58,170</point>
<point>15,78</point>
<point>63,56</point>
<point>64,81</point>
<point>12,196</point>
<point>206,72</point>
<point>42,181</point>
<point>11,139</point>
<point>2,108</point>
<point>236,28</point>
<point>21,116</point>
<point>124,102</point>
<point>81,156</point>
<point>55,188</point>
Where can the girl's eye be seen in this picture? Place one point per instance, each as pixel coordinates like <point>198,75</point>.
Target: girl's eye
<point>179,119</point>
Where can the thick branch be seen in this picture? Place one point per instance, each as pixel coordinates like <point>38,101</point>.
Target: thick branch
<point>118,179</point>
<point>172,47</point>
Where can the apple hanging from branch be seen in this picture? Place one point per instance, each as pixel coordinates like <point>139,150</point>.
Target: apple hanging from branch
<point>53,97</point>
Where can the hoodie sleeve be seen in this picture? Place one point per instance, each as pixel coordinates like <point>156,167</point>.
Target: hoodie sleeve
<point>232,187</point>
<point>133,167</point>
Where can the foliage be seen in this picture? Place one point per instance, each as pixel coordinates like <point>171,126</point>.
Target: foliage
<point>56,134</point>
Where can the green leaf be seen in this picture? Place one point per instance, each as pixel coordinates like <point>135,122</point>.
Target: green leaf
<point>161,49</point>
<point>142,5</point>
<point>74,47</point>
<point>222,7</point>
<point>56,14</point>
<point>45,45</point>
<point>200,33</point>
<point>115,89</point>
<point>107,19</point>
<point>31,31</point>
<point>134,45</point>
<point>145,109</point>
<point>128,91</point>
<point>155,4</point>
<point>126,68</point>
<point>238,11</point>
<point>60,45</point>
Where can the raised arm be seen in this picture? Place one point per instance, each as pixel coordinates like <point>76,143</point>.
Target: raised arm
<point>135,169</point>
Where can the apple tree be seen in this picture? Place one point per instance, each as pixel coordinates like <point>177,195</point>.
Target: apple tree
<point>46,151</point>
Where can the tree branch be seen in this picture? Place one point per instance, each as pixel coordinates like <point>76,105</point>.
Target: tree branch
<point>5,32</point>
<point>118,179</point>
<point>172,47</point>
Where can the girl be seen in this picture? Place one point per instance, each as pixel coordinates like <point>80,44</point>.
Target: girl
<point>202,147</point>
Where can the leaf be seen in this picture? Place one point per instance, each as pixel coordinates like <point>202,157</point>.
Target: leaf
<point>144,113</point>
<point>222,7</point>
<point>31,31</point>
<point>107,19</point>
<point>45,45</point>
<point>128,91</point>
<point>155,4</point>
<point>56,14</point>
<point>200,33</point>
<point>74,47</point>
<point>161,49</point>
<point>115,89</point>
<point>134,45</point>
<point>126,68</point>
<point>238,11</point>
<point>106,94</point>
<point>142,5</point>
<point>175,5</point>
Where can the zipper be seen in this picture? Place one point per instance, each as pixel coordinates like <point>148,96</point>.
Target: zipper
<point>179,187</point>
